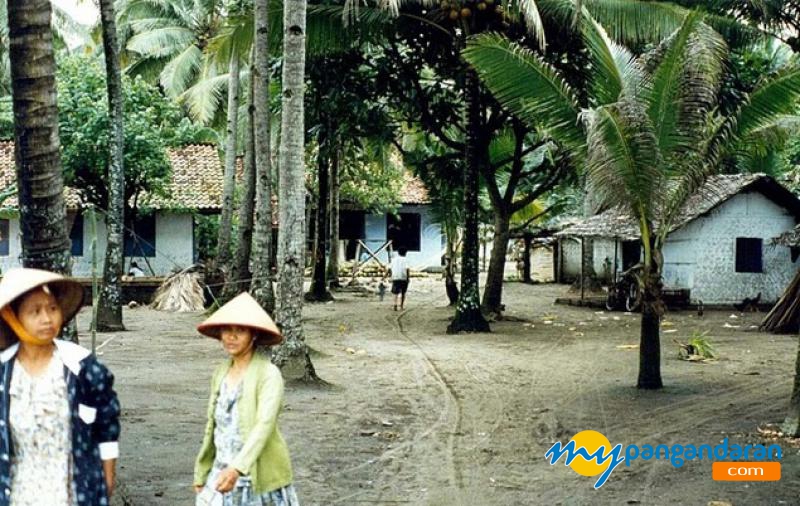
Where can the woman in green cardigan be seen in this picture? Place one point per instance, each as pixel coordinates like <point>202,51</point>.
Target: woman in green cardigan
<point>244,460</point>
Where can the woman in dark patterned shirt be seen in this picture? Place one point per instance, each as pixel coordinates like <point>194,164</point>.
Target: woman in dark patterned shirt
<point>59,415</point>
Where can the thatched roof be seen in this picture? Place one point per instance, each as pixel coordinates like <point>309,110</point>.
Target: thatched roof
<point>790,238</point>
<point>617,222</point>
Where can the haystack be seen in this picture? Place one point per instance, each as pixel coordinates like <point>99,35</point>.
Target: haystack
<point>181,293</point>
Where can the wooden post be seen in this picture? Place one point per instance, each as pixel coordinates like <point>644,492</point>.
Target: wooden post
<point>583,250</point>
<point>95,289</point>
<point>356,261</point>
<point>526,260</point>
<point>559,261</point>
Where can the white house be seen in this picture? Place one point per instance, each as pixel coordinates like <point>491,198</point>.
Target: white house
<point>159,242</point>
<point>721,248</point>
<point>413,226</point>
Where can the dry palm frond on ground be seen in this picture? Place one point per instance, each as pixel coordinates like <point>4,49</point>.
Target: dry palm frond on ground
<point>180,293</point>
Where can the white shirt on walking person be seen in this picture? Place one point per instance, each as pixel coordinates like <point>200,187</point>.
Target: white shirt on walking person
<point>399,268</point>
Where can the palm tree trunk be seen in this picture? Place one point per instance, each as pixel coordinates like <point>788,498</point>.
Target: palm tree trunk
<point>450,286</point>
<point>791,426</point>
<point>319,290</point>
<point>526,261</point>
<point>40,182</point>
<point>652,309</point>
<point>261,287</point>
<point>468,313</point>
<point>239,279</point>
<point>109,310</point>
<point>333,257</point>
<point>292,355</point>
<point>229,182</point>
<point>493,292</point>
<point>43,216</point>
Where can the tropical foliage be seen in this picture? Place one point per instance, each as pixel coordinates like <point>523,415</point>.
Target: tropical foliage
<point>653,135</point>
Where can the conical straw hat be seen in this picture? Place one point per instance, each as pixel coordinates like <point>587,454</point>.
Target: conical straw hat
<point>242,311</point>
<point>19,281</point>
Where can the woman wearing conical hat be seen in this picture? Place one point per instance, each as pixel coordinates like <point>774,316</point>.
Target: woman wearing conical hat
<point>244,460</point>
<point>59,415</point>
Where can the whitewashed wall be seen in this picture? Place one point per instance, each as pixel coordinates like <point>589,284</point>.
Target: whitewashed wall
<point>174,246</point>
<point>702,255</point>
<point>603,258</point>
<point>431,246</point>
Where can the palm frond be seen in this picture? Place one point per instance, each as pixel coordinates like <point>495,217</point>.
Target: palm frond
<point>623,163</point>
<point>235,39</point>
<point>775,97</point>
<point>179,72</point>
<point>533,19</point>
<point>637,22</point>
<point>149,68</point>
<point>161,41</point>
<point>205,97</point>
<point>333,28</point>
<point>614,67</point>
<point>685,85</point>
<point>528,87</point>
<point>66,28</point>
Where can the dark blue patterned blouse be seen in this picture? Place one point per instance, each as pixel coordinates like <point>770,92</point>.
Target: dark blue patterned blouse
<point>94,410</point>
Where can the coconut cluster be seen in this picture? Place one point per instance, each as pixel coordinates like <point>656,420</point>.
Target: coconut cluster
<point>464,9</point>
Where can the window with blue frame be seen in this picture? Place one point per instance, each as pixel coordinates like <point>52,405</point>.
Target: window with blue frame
<point>76,236</point>
<point>140,236</point>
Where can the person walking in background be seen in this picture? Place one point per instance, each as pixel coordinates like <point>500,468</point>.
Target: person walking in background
<point>59,415</point>
<point>244,460</point>
<point>400,276</point>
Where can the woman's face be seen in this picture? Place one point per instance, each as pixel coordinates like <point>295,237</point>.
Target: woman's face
<point>40,314</point>
<point>237,340</point>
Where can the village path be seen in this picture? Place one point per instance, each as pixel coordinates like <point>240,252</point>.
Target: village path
<point>411,415</point>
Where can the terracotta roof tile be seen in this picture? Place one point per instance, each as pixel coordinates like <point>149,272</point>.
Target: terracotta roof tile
<point>196,178</point>
<point>413,191</point>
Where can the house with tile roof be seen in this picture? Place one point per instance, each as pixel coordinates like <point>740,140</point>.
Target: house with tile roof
<point>732,239</point>
<point>158,242</point>
<point>164,240</point>
<point>412,226</point>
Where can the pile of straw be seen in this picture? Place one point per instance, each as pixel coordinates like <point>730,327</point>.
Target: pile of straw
<point>180,293</point>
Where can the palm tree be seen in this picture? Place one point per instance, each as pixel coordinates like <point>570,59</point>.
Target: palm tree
<point>45,242</point>
<point>292,355</point>
<point>166,38</point>
<point>261,286</point>
<point>229,178</point>
<point>652,139</point>
<point>109,313</point>
<point>238,279</point>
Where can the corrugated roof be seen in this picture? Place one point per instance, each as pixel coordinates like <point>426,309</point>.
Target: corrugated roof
<point>617,222</point>
<point>196,179</point>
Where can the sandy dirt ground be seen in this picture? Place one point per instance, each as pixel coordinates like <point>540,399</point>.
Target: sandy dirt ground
<point>411,415</point>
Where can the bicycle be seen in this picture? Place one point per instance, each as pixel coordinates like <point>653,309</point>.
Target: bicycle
<point>625,293</point>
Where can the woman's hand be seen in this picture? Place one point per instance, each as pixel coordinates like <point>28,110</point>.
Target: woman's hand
<point>110,474</point>
<point>227,480</point>
<point>197,488</point>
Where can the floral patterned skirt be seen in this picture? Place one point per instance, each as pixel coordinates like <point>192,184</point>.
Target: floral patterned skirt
<point>243,494</point>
